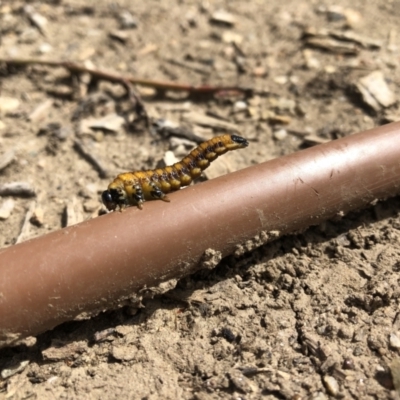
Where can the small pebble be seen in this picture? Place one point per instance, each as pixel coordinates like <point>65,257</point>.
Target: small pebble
<point>37,217</point>
<point>127,20</point>
<point>331,385</point>
<point>6,208</point>
<point>90,205</point>
<point>394,341</point>
<point>280,134</point>
<point>222,17</point>
<point>8,372</point>
<point>8,104</point>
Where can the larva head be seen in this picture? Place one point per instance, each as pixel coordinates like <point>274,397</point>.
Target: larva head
<point>237,143</point>
<point>115,196</point>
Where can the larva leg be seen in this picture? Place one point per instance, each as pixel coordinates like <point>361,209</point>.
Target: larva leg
<point>138,196</point>
<point>157,193</point>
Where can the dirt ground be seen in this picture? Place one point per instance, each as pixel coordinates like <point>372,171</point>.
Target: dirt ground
<point>309,316</point>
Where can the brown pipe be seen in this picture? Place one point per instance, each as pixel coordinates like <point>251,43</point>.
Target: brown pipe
<point>52,279</point>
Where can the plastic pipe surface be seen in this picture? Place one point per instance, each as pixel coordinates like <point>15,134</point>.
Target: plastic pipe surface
<point>89,266</point>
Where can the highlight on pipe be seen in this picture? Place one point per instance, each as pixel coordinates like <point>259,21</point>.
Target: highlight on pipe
<point>134,188</point>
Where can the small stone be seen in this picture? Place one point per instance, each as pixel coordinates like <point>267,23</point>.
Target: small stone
<point>311,62</point>
<point>259,71</point>
<point>169,158</point>
<point>124,353</point>
<point>127,20</point>
<point>353,17</point>
<point>90,205</point>
<point>8,372</point>
<point>8,104</point>
<point>37,19</point>
<point>281,80</point>
<point>232,37</point>
<point>111,122</point>
<point>335,13</point>
<point>394,341</point>
<point>45,48</point>
<point>29,35</point>
<point>37,216</point>
<point>119,35</point>
<point>280,134</point>
<point>331,385</point>
<point>240,106</point>
<point>6,159</point>
<point>6,208</point>
<point>222,17</point>
<point>375,91</point>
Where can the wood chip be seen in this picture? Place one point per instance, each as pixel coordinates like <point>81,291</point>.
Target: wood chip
<point>6,159</point>
<point>375,91</point>
<point>363,41</point>
<point>332,45</point>
<point>169,158</point>
<point>26,226</point>
<point>36,19</point>
<point>19,189</point>
<point>40,111</point>
<point>312,140</point>
<point>72,212</point>
<point>111,122</point>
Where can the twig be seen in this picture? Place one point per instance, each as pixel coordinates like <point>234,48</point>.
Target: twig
<point>113,77</point>
<point>25,229</point>
<point>90,158</point>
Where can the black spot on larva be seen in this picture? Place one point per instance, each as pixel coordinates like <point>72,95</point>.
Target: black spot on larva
<point>200,156</point>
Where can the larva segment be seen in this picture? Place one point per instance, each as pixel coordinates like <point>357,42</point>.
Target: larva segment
<point>134,188</point>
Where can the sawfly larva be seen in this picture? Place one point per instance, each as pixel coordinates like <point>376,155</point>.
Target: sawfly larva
<point>134,188</point>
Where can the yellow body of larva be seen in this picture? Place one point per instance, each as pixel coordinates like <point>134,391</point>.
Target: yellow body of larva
<point>134,188</point>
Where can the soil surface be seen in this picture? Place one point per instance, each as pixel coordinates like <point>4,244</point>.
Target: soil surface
<point>309,316</point>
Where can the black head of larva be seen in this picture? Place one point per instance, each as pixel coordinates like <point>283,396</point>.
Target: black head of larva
<point>110,199</point>
<point>239,140</point>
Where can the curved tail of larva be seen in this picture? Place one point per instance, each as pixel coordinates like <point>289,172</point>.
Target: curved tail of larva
<point>200,158</point>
